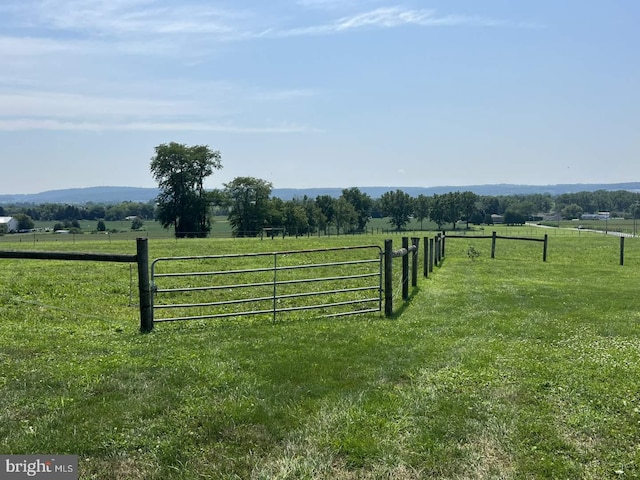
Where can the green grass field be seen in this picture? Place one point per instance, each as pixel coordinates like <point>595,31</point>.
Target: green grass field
<point>506,368</point>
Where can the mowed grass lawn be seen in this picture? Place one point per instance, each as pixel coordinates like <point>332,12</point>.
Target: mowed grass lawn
<point>504,368</point>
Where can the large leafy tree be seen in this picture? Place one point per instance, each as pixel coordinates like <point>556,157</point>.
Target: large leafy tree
<point>250,205</point>
<point>421,207</point>
<point>180,171</point>
<point>327,206</point>
<point>399,206</point>
<point>24,221</point>
<point>345,216</point>
<point>468,205</point>
<point>438,210</point>
<point>295,218</point>
<point>362,203</point>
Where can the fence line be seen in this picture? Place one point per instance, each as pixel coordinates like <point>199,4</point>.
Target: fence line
<point>495,236</point>
<point>403,253</point>
<point>141,258</point>
<point>433,252</point>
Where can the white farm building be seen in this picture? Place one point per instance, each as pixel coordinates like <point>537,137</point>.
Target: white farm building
<point>11,224</point>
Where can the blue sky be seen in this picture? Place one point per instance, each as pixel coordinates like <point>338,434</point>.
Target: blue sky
<point>321,93</point>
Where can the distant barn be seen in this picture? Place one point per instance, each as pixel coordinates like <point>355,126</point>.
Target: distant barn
<point>10,223</point>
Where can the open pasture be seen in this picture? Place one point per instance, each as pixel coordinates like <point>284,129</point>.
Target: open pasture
<point>504,368</point>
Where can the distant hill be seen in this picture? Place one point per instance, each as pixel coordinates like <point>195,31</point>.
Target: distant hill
<point>85,195</point>
<point>137,194</point>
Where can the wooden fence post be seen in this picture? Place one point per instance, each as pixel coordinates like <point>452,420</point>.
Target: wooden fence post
<point>144,286</point>
<point>405,269</point>
<point>414,261</point>
<point>444,241</point>
<point>388,278</point>
<point>431,252</point>
<point>493,245</point>
<point>621,250</point>
<point>544,247</point>
<point>425,262</point>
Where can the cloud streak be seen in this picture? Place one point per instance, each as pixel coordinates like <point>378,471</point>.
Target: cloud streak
<point>393,17</point>
<point>148,18</point>
<point>65,63</point>
<point>27,124</point>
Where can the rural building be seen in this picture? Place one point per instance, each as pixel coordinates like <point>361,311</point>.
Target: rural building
<point>497,219</point>
<point>11,224</point>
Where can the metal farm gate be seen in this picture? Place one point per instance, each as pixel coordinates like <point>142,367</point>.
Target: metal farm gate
<point>333,281</point>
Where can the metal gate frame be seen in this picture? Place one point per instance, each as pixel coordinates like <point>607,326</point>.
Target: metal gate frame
<point>275,282</point>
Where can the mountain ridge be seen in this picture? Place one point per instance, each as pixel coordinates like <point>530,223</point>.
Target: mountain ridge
<point>117,194</point>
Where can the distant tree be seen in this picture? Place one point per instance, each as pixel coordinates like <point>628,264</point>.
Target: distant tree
<point>491,205</point>
<point>438,212</point>
<point>468,206</point>
<point>421,206</point>
<point>512,216</point>
<point>102,227</point>
<point>398,206</point>
<point>315,218</point>
<point>296,220</point>
<point>376,209</point>
<point>95,212</point>
<point>250,205</point>
<point>518,212</point>
<point>345,216</point>
<point>327,206</point>
<point>2,212</point>
<point>180,171</point>
<point>275,213</point>
<point>572,211</point>
<point>362,204</point>
<point>452,207</point>
<point>24,221</point>
<point>136,223</point>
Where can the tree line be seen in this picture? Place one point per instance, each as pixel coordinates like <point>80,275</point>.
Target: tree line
<point>92,211</point>
<point>185,205</point>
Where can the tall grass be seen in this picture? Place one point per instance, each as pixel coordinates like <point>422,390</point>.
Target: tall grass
<point>504,368</point>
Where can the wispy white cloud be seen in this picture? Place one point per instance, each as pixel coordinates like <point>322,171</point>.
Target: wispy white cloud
<point>33,46</point>
<point>393,17</point>
<point>26,124</point>
<point>142,20</point>
<point>64,63</point>
<point>333,5</point>
<point>47,104</point>
<point>188,108</point>
<point>112,18</point>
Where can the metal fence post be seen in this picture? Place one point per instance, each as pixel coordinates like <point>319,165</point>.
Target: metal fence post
<point>144,287</point>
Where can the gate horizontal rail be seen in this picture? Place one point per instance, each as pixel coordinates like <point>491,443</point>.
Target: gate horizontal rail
<point>256,270</point>
<point>262,284</point>
<point>346,285</point>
